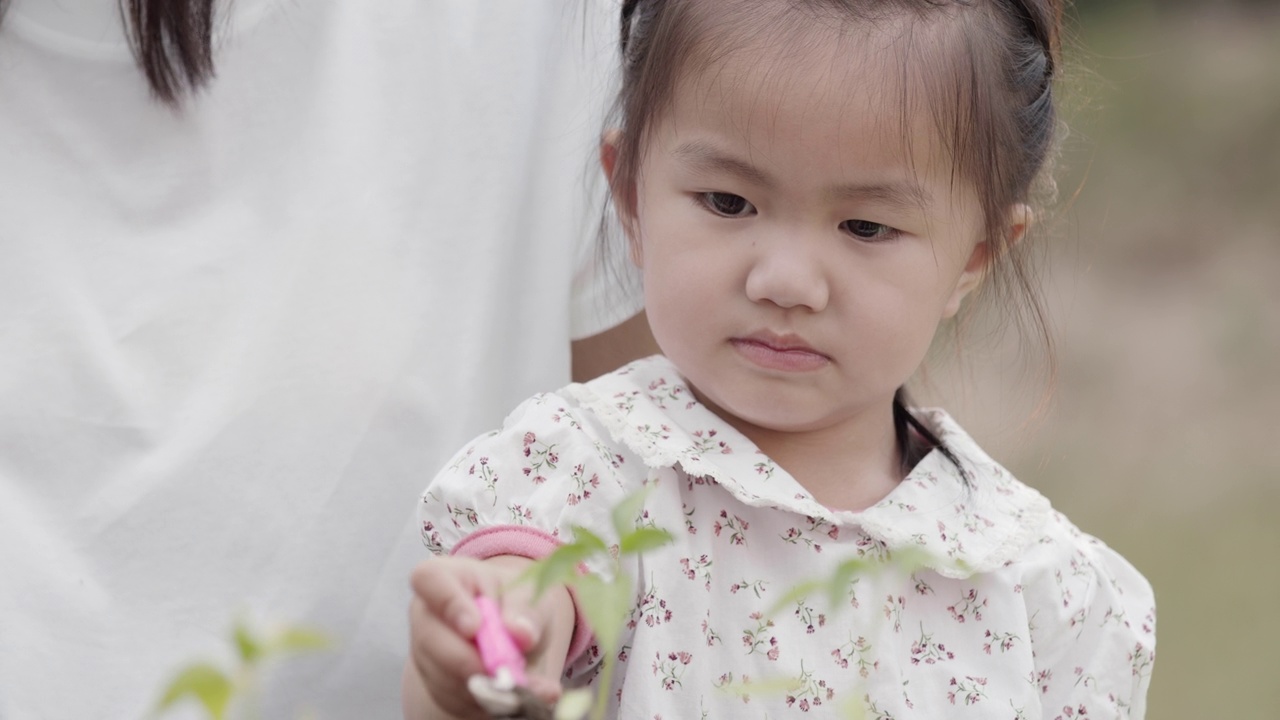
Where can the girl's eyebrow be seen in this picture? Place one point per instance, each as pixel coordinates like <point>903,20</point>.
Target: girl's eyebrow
<point>706,157</point>
<point>905,194</point>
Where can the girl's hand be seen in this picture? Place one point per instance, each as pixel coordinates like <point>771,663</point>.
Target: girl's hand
<point>443,620</point>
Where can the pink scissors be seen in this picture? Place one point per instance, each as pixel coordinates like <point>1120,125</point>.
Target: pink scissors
<point>498,650</point>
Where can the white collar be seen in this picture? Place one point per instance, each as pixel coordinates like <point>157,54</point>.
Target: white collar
<point>959,527</point>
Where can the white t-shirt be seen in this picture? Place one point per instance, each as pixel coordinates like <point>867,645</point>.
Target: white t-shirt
<point>238,338</point>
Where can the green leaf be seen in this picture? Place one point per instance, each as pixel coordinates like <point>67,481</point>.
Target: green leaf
<point>795,594</point>
<point>203,683</point>
<point>605,604</point>
<point>766,687</point>
<point>247,645</point>
<point>840,579</point>
<point>626,512</point>
<point>560,567</point>
<point>296,639</point>
<point>643,540</point>
<point>589,540</point>
<point>574,705</point>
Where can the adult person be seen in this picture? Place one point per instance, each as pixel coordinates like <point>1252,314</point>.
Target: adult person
<point>265,263</point>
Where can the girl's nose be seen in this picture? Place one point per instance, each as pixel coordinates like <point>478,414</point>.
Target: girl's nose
<point>788,274</point>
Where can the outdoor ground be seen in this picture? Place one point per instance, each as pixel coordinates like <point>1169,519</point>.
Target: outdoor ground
<point>1164,284</point>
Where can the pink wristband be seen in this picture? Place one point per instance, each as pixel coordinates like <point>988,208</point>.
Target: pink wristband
<point>524,541</point>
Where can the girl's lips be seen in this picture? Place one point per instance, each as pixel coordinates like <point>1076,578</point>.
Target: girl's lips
<point>785,353</point>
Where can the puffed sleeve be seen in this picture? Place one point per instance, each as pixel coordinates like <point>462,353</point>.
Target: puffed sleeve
<point>1092,627</point>
<point>520,489</point>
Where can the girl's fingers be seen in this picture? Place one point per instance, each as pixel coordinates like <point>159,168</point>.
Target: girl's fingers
<point>444,619</point>
<point>444,660</point>
<point>545,689</point>
<point>448,586</point>
<point>522,629</point>
<point>437,648</point>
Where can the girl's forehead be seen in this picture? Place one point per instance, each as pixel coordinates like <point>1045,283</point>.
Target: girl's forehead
<point>847,86</point>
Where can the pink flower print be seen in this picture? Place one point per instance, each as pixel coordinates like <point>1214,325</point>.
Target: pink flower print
<point>466,513</point>
<point>1043,678</point>
<point>811,692</point>
<point>736,525</point>
<point>688,518</point>
<point>1004,641</point>
<point>757,587</point>
<point>652,609</point>
<point>968,606</point>
<point>834,533</point>
<point>859,651</point>
<point>970,690</point>
<point>869,547</point>
<point>692,569</point>
<point>541,457</point>
<point>671,668</point>
<point>573,499</point>
<point>808,617</point>
<point>708,634</point>
<point>893,608</point>
<point>922,587</point>
<point>925,650</point>
<point>760,636</point>
<point>1141,658</point>
<point>765,468</point>
<point>431,538</point>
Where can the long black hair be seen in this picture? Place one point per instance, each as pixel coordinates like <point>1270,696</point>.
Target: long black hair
<point>172,41</point>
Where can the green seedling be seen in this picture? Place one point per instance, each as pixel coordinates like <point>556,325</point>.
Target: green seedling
<point>219,691</point>
<point>606,598</point>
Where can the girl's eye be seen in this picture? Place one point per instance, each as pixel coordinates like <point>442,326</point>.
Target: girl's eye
<point>727,204</point>
<point>867,230</point>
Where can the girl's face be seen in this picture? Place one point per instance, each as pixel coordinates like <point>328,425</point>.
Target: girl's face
<point>799,241</point>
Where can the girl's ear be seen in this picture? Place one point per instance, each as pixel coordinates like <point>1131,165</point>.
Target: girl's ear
<point>1017,222</point>
<point>609,143</point>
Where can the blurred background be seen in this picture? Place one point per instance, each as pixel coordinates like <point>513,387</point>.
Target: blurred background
<point>1163,282</point>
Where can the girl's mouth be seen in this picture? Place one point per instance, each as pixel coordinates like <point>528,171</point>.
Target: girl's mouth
<point>788,353</point>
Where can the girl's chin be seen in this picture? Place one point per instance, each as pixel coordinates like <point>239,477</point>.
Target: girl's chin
<point>754,416</point>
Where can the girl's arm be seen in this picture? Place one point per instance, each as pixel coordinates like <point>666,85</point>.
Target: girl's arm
<point>443,622</point>
<point>1093,627</point>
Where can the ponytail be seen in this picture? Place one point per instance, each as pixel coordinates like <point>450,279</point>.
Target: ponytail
<point>907,428</point>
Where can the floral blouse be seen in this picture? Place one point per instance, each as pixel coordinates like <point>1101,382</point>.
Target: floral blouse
<point>1013,612</point>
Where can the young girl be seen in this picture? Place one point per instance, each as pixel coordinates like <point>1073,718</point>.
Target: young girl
<point>809,188</point>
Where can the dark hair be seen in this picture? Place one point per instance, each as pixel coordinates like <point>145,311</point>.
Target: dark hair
<point>172,42</point>
<point>988,89</point>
